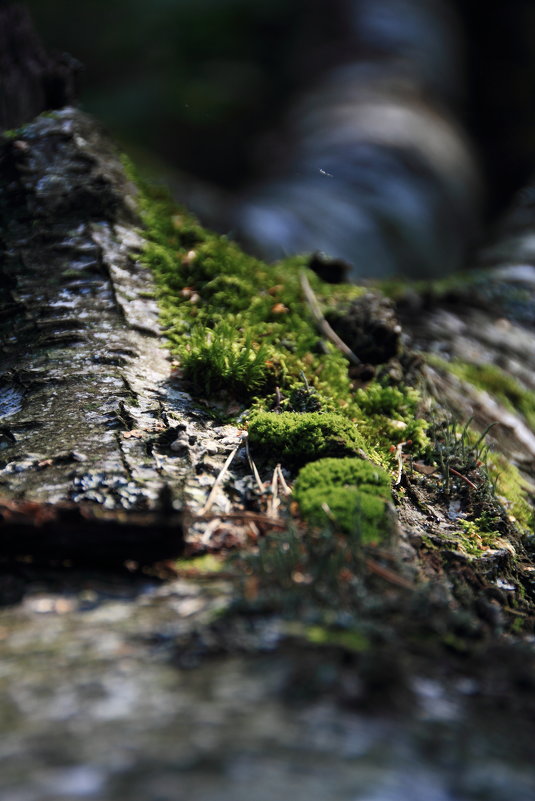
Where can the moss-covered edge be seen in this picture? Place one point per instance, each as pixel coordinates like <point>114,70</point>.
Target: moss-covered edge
<point>241,329</point>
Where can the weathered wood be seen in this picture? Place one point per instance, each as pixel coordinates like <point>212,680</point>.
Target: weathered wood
<point>81,361</point>
<point>89,412</point>
<point>486,319</point>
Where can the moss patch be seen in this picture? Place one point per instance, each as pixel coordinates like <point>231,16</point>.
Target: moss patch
<point>301,437</point>
<point>241,328</point>
<point>513,492</point>
<point>392,414</point>
<point>352,493</point>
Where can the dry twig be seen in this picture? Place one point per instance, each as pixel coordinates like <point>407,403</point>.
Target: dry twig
<point>322,323</point>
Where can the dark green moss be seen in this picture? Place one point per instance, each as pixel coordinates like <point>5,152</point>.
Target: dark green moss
<point>299,438</point>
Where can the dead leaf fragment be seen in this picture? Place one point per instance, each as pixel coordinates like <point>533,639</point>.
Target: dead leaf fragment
<point>425,469</point>
<point>135,433</point>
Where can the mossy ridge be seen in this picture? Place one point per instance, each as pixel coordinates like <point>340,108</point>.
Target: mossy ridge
<point>243,327</point>
<point>513,492</point>
<point>206,281</point>
<point>351,493</point>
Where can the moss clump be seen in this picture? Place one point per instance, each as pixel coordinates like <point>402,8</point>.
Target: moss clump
<point>352,493</point>
<point>299,438</point>
<point>391,413</point>
<point>212,362</point>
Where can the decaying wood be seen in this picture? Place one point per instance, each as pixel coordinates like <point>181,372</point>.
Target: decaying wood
<point>488,321</point>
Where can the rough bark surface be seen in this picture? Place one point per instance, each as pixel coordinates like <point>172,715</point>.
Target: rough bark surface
<point>88,411</point>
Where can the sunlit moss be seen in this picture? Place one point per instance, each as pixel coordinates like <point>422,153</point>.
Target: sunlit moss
<point>351,493</point>
<point>349,640</point>
<point>300,437</point>
<point>239,325</point>
<point>513,491</point>
<point>392,413</point>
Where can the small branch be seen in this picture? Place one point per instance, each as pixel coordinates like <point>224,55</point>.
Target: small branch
<point>274,502</point>
<point>219,480</point>
<point>253,467</point>
<point>255,517</point>
<point>460,475</point>
<point>388,575</point>
<point>322,323</point>
<point>285,488</point>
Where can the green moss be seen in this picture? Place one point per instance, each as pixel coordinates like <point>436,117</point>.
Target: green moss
<point>504,480</point>
<point>241,326</point>
<point>349,640</point>
<point>352,493</point>
<point>298,438</point>
<point>513,491</point>
<point>392,413</point>
<point>211,362</point>
<point>478,538</point>
<point>207,564</point>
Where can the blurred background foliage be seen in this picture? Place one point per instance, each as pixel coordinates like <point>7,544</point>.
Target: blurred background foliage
<point>202,88</point>
<point>195,82</point>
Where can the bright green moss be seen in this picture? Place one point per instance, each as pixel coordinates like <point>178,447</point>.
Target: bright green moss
<point>329,636</point>
<point>351,493</point>
<point>391,413</point>
<point>242,327</point>
<point>479,537</point>
<point>512,490</point>
<point>345,472</point>
<point>299,438</point>
<point>208,564</point>
<point>211,362</point>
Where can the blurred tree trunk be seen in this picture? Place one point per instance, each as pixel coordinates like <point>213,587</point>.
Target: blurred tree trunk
<point>32,79</point>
